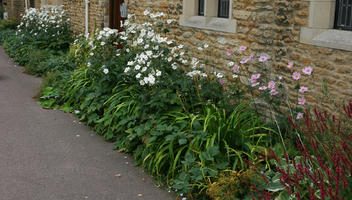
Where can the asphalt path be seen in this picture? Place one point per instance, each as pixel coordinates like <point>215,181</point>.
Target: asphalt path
<point>49,155</point>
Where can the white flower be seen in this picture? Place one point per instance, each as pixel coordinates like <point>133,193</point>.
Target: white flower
<point>158,73</point>
<point>169,59</point>
<point>146,12</point>
<point>138,75</point>
<point>140,40</point>
<point>219,75</point>
<point>141,82</point>
<point>149,53</point>
<point>234,75</point>
<point>91,54</point>
<point>169,21</point>
<point>150,34</point>
<point>144,69</point>
<point>88,64</point>
<point>127,69</point>
<point>106,71</point>
<point>230,64</point>
<point>137,67</point>
<point>206,46</point>
<point>102,43</point>
<point>130,63</point>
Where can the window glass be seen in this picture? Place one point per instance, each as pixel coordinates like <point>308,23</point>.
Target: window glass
<point>201,7</point>
<point>343,16</point>
<point>224,8</point>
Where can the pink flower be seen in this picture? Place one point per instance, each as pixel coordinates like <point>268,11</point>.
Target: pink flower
<point>280,77</point>
<point>236,68</point>
<point>222,81</point>
<point>303,89</point>
<point>251,57</point>
<point>263,58</point>
<point>242,48</point>
<point>244,61</point>
<point>296,76</point>
<point>263,88</point>
<point>301,101</point>
<point>255,84</point>
<point>254,78</point>
<point>308,70</point>
<point>290,65</point>
<point>271,85</point>
<point>299,116</point>
<point>274,92</point>
<point>229,52</point>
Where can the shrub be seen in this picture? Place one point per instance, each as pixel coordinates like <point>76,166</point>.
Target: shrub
<point>232,185</point>
<point>43,61</point>
<point>19,49</point>
<point>5,34</point>
<point>46,28</point>
<point>323,168</point>
<point>9,24</point>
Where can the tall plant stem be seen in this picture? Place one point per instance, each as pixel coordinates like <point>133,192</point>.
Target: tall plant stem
<point>298,135</point>
<point>278,128</point>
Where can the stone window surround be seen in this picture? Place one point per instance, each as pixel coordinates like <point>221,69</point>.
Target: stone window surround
<point>319,30</point>
<point>210,20</point>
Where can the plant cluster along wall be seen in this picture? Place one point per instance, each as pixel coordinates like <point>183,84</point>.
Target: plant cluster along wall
<point>186,115</point>
<point>265,26</point>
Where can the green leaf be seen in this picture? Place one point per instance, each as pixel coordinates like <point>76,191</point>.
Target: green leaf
<point>182,141</point>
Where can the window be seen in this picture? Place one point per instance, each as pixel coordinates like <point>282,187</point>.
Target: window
<point>201,7</point>
<point>31,3</point>
<point>343,15</point>
<point>208,14</point>
<point>325,21</point>
<point>224,8</point>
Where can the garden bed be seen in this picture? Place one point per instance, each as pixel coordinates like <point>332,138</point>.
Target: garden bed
<point>196,130</point>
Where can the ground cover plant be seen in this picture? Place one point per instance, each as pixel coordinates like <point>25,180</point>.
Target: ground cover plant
<point>189,126</point>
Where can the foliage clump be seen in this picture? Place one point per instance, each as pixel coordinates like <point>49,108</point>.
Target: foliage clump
<point>232,185</point>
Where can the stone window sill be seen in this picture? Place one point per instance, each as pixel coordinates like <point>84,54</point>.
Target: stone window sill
<point>209,23</point>
<point>332,38</point>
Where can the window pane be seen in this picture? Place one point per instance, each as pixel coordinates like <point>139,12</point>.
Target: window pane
<point>31,3</point>
<point>343,18</point>
<point>201,7</point>
<point>224,8</point>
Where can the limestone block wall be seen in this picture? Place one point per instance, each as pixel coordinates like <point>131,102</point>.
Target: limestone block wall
<point>266,26</point>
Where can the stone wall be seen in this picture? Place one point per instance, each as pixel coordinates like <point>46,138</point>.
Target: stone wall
<point>15,8</point>
<point>98,13</point>
<point>265,26</point>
